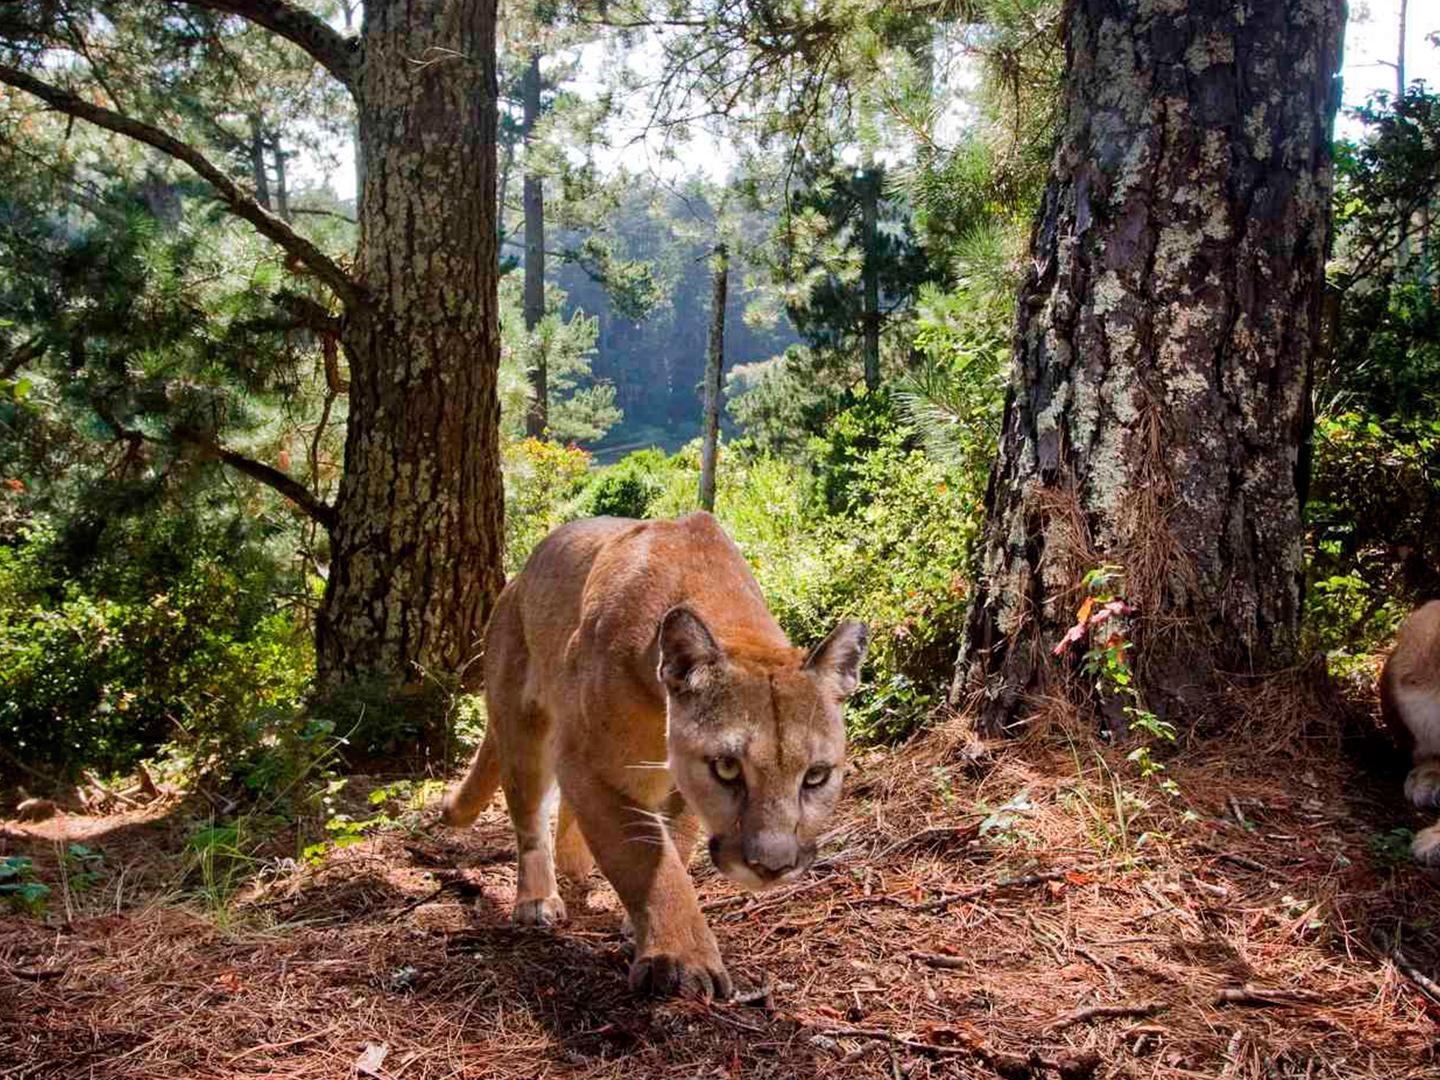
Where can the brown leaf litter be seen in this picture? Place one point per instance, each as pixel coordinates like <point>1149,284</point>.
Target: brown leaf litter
<point>1015,914</point>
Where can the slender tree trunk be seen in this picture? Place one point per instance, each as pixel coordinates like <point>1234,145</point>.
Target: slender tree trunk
<point>1404,225</point>
<point>870,273</point>
<point>714,374</point>
<point>257,162</point>
<point>1400,52</point>
<point>282,189</point>
<point>533,196</point>
<point>1163,351</point>
<point>416,549</point>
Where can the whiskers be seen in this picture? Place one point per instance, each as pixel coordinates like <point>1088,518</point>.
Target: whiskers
<point>662,765</point>
<point>653,828</point>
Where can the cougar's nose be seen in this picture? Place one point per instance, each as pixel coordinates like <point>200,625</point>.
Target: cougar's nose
<point>770,854</point>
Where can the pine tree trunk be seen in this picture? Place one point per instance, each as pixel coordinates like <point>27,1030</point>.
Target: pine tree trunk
<point>714,374</point>
<point>870,274</point>
<point>257,162</point>
<point>416,551</point>
<point>533,198</point>
<point>1163,354</point>
<point>282,188</point>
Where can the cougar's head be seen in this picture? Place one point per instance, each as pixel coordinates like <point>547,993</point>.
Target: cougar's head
<point>757,741</point>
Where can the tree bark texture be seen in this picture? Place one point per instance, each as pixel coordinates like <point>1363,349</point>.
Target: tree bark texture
<point>1164,342</point>
<point>533,198</point>
<point>714,374</point>
<point>416,547</point>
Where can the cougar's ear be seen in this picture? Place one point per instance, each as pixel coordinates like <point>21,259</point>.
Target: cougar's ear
<point>689,653</point>
<point>836,660</point>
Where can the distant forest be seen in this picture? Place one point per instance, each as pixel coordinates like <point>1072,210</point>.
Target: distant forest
<point>656,363</point>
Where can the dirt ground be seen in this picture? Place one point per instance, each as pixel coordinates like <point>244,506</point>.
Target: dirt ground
<point>1012,913</point>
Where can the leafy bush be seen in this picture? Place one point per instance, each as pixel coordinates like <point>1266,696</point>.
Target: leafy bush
<point>629,487</point>
<point>1373,548</point>
<point>97,680</point>
<point>543,481</point>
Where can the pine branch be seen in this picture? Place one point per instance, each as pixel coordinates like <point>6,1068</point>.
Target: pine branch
<point>239,204</point>
<point>271,477</point>
<point>291,488</point>
<point>332,50</point>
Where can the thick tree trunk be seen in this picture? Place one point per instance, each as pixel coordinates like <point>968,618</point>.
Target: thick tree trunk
<point>870,274</point>
<point>714,374</point>
<point>1163,350</point>
<point>533,198</point>
<point>416,548</point>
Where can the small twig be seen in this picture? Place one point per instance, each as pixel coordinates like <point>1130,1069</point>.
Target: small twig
<point>1206,887</point>
<point>37,974</point>
<point>993,886</point>
<point>940,960</point>
<point>759,995</point>
<point>1235,809</point>
<point>458,884</point>
<point>1238,860</point>
<point>770,901</point>
<point>928,836</point>
<point>1426,985</point>
<point>1092,1012</point>
<point>1262,995</point>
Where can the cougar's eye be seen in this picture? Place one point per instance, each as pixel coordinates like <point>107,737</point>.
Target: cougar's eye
<point>726,769</point>
<point>817,775</point>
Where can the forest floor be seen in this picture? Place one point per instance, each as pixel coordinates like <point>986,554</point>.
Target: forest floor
<point>1012,912</point>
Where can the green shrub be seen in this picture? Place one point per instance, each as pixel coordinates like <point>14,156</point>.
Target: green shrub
<point>89,680</point>
<point>544,482</point>
<point>629,487</point>
<point>1373,549</point>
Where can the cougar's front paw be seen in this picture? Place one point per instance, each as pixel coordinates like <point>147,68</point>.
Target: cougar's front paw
<point>546,911</point>
<point>1426,846</point>
<point>1422,786</point>
<point>667,975</point>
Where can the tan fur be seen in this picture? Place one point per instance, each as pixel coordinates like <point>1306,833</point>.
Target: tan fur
<point>1410,703</point>
<point>635,663</point>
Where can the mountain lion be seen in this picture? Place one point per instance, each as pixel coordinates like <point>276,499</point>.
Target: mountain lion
<point>636,663</point>
<point>1410,702</point>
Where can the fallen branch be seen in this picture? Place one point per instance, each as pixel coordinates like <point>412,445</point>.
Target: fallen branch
<point>940,960</point>
<point>1093,1012</point>
<point>1239,860</point>
<point>37,974</point>
<point>770,901</point>
<point>1261,995</point>
<point>759,995</point>
<point>457,885</point>
<point>993,886</point>
<point>1077,1066</point>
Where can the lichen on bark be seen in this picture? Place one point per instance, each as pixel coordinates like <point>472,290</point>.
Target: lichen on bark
<point>1163,348</point>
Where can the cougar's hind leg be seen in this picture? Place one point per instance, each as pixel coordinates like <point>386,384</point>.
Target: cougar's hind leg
<point>527,773</point>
